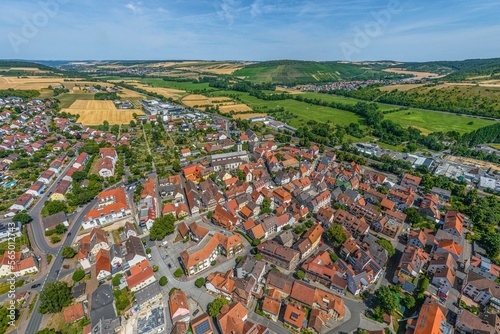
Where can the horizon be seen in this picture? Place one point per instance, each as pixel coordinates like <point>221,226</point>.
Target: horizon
<point>249,30</point>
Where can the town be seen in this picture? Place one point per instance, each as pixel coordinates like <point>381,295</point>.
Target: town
<point>190,222</point>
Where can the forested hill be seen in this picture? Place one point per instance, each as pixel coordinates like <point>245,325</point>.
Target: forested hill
<point>459,70</point>
<point>291,72</point>
<point>7,64</point>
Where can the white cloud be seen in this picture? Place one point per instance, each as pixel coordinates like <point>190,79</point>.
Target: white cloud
<point>134,7</point>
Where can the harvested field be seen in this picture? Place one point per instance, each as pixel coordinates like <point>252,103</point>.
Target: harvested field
<point>226,104</point>
<point>93,105</point>
<point>418,75</point>
<point>247,116</point>
<point>167,92</point>
<point>473,162</point>
<point>195,97</point>
<point>93,112</point>
<point>37,83</point>
<point>28,82</point>
<point>235,107</point>
<point>288,90</point>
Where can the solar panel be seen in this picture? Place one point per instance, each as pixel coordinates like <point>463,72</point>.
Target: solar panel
<point>294,316</point>
<point>203,327</point>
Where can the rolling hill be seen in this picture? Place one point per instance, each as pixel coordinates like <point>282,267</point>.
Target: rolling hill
<point>290,72</point>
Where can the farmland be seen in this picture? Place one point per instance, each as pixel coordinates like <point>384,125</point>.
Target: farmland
<point>225,104</point>
<point>304,111</point>
<point>431,121</point>
<point>94,112</point>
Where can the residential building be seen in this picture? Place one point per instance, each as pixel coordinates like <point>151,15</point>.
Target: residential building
<point>200,256</point>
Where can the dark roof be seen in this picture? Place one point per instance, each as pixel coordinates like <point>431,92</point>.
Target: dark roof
<point>78,290</point>
<point>134,247</point>
<point>147,293</point>
<point>103,313</point>
<point>53,220</point>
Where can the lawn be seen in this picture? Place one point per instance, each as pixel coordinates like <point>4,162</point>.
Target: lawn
<point>431,121</point>
<point>304,111</point>
<point>68,98</point>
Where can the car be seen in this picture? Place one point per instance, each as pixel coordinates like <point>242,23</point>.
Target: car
<point>69,234</point>
<point>169,266</point>
<point>161,330</point>
<point>34,286</point>
<point>196,312</point>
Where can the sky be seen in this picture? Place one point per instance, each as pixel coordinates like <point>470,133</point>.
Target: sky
<point>254,30</point>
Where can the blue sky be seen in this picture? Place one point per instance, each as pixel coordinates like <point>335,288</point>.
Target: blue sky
<point>406,30</point>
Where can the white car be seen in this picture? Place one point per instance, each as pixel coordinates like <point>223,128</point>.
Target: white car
<point>161,330</point>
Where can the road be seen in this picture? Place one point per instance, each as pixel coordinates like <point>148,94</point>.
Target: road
<point>53,275</point>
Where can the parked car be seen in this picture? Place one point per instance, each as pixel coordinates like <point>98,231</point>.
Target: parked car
<point>34,286</point>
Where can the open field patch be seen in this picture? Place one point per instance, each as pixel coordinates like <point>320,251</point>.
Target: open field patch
<point>93,105</point>
<point>167,92</point>
<point>247,116</point>
<point>94,112</point>
<point>432,121</point>
<point>418,75</point>
<point>235,107</point>
<point>473,162</point>
<point>288,90</point>
<point>225,104</point>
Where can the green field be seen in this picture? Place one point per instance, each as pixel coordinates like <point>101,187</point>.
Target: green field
<point>302,72</point>
<point>432,121</point>
<point>68,98</point>
<point>304,111</point>
<point>345,100</point>
<point>187,86</point>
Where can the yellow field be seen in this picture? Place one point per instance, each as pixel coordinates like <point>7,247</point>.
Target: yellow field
<point>167,92</point>
<point>195,97</point>
<point>93,105</point>
<point>418,75</point>
<point>220,68</point>
<point>288,90</point>
<point>473,162</point>
<point>226,104</point>
<point>247,116</point>
<point>235,107</point>
<point>38,83</point>
<point>94,112</point>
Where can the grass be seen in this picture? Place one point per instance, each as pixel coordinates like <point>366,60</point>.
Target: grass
<point>20,241</point>
<point>431,121</point>
<point>304,111</point>
<point>56,321</point>
<point>68,98</point>
<point>187,86</point>
<point>344,100</point>
<point>5,287</point>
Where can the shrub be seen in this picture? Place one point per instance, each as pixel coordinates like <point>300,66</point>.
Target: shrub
<point>49,258</point>
<point>199,282</point>
<point>68,252</point>
<point>301,274</point>
<point>55,239</point>
<point>258,256</point>
<point>116,280</point>
<point>178,273</point>
<point>213,263</point>
<point>148,250</point>
<point>155,268</point>
<point>78,275</point>
<point>163,281</point>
